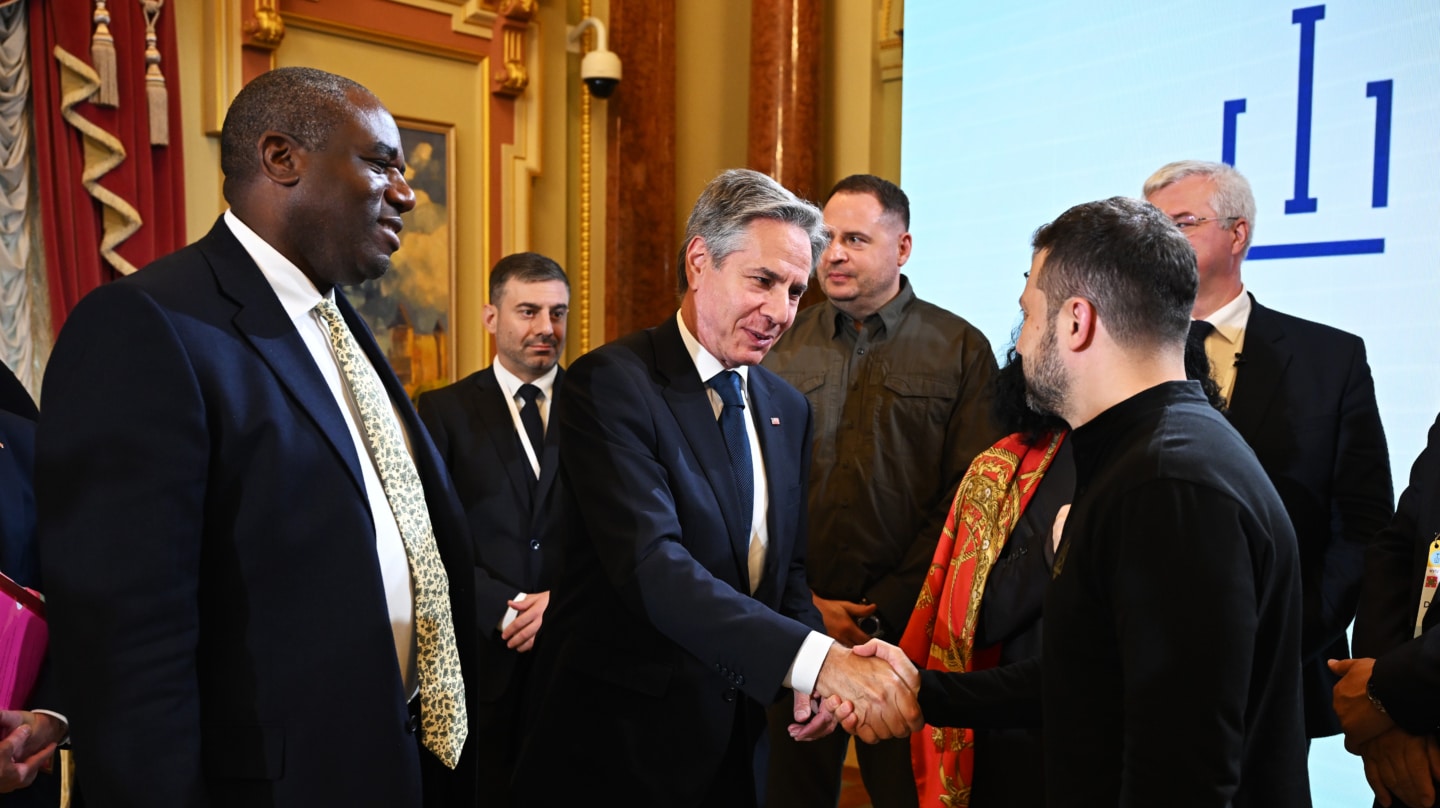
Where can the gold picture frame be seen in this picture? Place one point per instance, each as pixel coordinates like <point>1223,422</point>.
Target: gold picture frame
<point>411,309</point>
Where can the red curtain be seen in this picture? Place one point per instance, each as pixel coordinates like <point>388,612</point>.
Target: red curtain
<point>144,190</point>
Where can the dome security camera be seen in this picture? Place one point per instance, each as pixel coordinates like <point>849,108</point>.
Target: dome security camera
<point>600,69</point>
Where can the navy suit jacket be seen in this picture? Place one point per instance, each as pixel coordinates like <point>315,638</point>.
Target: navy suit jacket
<point>514,517</point>
<point>652,637</point>
<point>18,558</point>
<point>1304,400</point>
<point>219,625</point>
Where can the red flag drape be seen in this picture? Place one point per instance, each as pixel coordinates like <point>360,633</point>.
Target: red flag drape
<point>132,213</point>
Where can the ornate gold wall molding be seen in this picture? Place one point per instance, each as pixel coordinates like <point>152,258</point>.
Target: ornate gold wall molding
<point>325,26</point>
<point>587,44</point>
<point>266,29</point>
<point>890,50</point>
<point>512,28</point>
<point>471,17</point>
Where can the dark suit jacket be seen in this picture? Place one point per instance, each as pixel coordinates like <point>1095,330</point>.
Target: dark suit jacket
<point>1305,402</point>
<point>652,639</point>
<point>219,627</point>
<point>513,516</point>
<point>18,558</point>
<point>1406,677</point>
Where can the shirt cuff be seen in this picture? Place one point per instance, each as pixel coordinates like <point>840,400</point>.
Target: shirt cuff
<point>62,719</point>
<point>510,613</point>
<point>806,667</point>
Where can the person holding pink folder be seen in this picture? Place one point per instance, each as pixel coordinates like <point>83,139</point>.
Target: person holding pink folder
<point>27,739</point>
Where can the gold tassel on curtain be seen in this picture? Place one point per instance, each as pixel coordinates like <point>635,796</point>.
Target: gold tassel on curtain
<point>102,53</point>
<point>154,79</point>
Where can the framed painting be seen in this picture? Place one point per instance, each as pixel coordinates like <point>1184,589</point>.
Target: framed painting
<point>411,308</point>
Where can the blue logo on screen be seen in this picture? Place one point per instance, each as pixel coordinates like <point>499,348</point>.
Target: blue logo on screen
<point>1302,202</point>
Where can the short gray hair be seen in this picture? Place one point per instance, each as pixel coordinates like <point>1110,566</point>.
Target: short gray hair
<point>1233,196</point>
<point>736,198</point>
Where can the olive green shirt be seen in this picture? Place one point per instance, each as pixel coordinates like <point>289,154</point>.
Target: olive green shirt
<point>901,408</point>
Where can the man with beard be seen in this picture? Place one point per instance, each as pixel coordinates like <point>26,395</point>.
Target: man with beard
<point>1169,673</point>
<point>259,588</point>
<point>490,428</point>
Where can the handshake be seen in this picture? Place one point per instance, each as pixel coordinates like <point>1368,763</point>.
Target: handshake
<point>869,690</point>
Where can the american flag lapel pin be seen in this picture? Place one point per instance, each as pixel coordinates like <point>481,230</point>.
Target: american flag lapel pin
<point>774,422</point>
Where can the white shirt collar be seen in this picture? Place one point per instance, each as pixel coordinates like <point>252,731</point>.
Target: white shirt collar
<point>1230,319</point>
<point>297,293</point>
<point>510,383</point>
<point>705,362</point>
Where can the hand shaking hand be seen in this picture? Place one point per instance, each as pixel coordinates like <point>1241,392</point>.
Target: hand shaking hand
<point>876,686</point>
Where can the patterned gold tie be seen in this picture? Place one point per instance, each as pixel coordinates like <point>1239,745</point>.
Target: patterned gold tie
<point>443,725</point>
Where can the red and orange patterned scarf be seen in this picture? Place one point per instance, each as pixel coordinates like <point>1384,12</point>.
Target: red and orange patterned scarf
<point>941,632</point>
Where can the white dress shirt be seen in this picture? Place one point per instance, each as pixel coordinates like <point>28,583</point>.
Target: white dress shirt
<point>805,669</point>
<point>1226,342</point>
<point>299,297</point>
<point>510,385</point>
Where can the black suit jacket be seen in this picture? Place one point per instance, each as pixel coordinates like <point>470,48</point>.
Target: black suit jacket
<point>514,517</point>
<point>219,626</point>
<point>652,637</point>
<point>1406,677</point>
<point>1304,400</point>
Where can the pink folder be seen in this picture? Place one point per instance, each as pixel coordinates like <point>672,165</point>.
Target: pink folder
<point>23,637</point>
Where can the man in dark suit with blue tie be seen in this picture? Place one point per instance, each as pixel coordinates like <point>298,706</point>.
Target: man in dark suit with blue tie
<point>682,609</point>
<point>259,584</point>
<point>1301,395</point>
<point>490,430</point>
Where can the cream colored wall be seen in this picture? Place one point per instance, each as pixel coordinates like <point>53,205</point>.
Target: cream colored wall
<point>859,108</point>
<point>712,77</point>
<point>203,201</point>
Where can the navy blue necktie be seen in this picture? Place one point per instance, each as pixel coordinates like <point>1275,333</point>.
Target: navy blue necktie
<point>530,418</point>
<point>732,426</point>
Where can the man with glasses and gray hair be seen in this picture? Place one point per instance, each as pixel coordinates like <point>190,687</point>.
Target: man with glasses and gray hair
<point>1301,395</point>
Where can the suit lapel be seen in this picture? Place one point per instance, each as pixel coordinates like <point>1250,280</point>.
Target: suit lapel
<point>1264,360</point>
<point>263,321</point>
<point>493,414</point>
<point>689,402</point>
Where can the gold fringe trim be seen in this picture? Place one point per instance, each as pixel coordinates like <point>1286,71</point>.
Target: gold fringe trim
<point>102,153</point>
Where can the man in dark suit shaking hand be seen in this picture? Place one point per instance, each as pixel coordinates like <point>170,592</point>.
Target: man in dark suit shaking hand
<point>259,587</point>
<point>683,609</point>
<point>490,428</point>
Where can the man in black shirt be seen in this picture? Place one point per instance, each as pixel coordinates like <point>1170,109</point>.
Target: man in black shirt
<point>1170,672</point>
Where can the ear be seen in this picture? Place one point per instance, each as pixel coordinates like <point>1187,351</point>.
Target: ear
<point>492,318</point>
<point>1240,236</point>
<point>904,249</point>
<point>282,160</point>
<point>697,260</point>
<point>1078,324</point>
